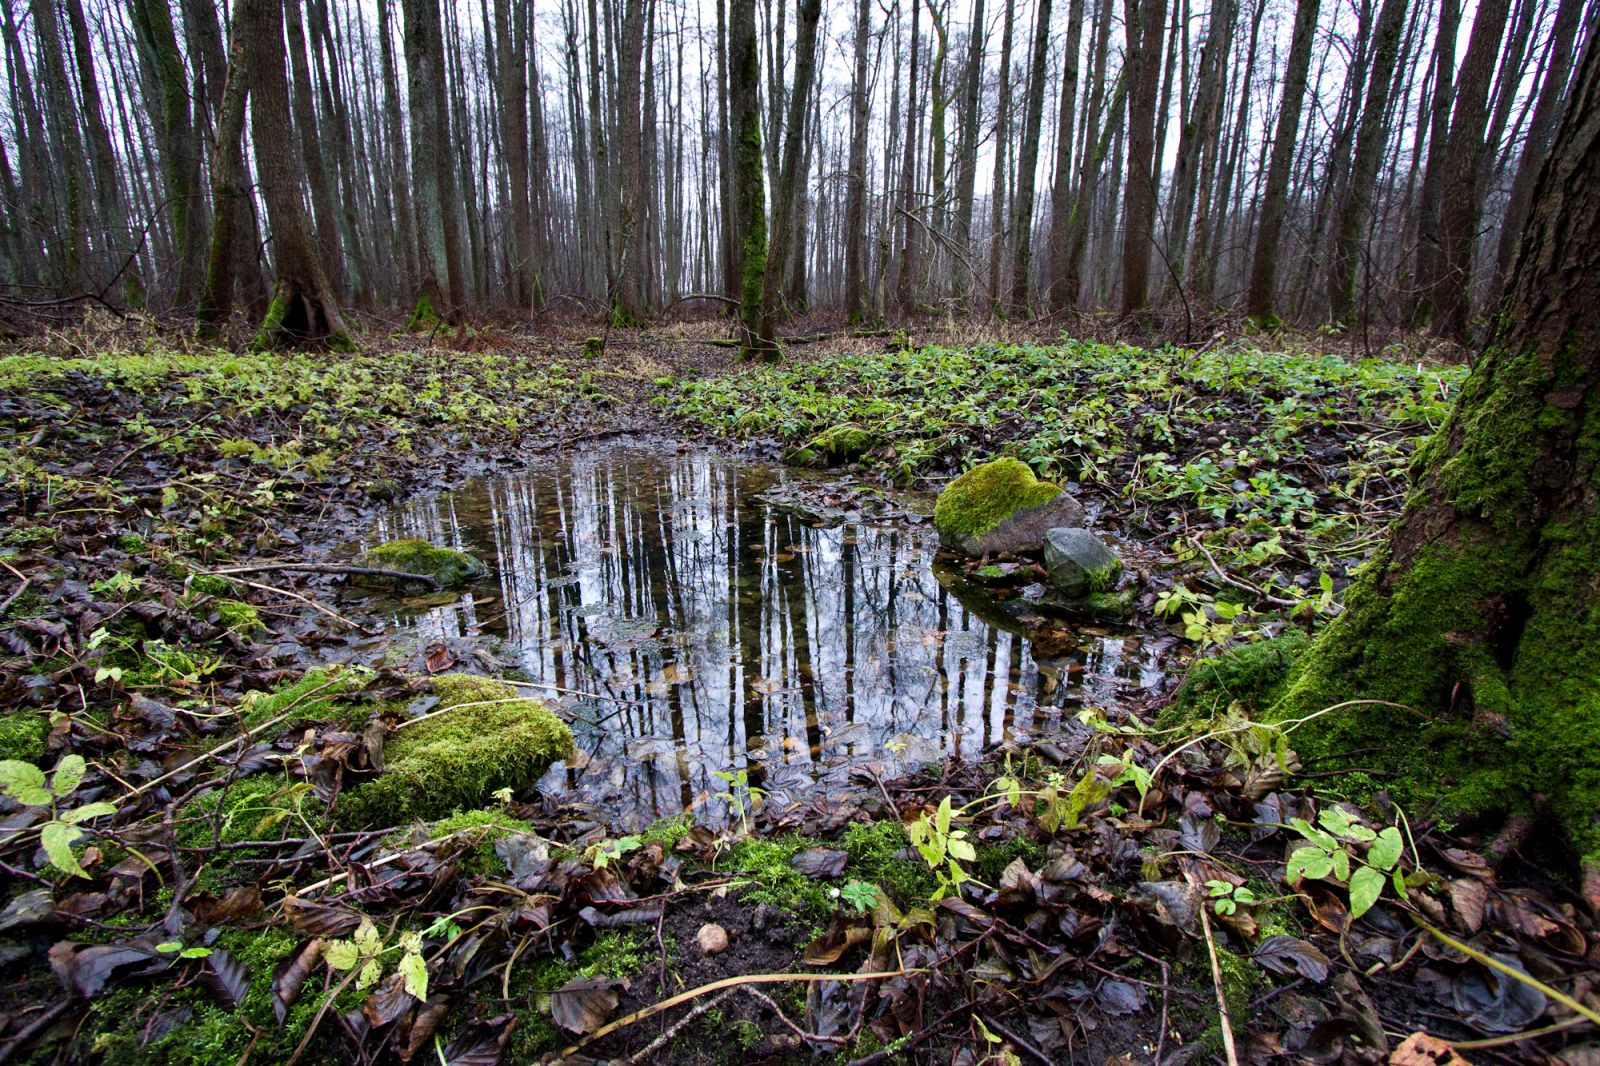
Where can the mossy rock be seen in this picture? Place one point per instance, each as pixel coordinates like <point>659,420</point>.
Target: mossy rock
<point>844,443</point>
<point>1001,507</point>
<point>383,489</point>
<point>1253,675</point>
<point>480,739</point>
<point>449,567</point>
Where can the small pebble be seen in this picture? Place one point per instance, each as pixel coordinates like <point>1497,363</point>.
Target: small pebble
<point>712,938</point>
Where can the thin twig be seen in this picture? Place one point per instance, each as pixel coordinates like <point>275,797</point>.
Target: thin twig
<point>644,1053</point>
<point>1216,979</point>
<point>330,568</point>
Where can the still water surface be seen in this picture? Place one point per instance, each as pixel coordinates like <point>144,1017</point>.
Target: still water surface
<point>738,634</point>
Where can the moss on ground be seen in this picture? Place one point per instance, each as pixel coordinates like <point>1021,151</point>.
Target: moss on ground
<point>317,696</point>
<point>189,1027</point>
<point>979,500</point>
<point>450,568</point>
<point>238,617</point>
<point>482,738</point>
<point>1252,675</point>
<point>481,831</point>
<point>875,853</point>
<point>844,443</point>
<point>22,735</point>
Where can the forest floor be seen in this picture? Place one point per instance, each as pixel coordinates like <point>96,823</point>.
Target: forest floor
<point>178,885</point>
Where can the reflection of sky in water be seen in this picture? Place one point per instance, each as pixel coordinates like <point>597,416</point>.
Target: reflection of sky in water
<point>743,636</point>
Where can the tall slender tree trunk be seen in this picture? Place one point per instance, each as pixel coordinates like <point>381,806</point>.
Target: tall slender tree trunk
<point>967,148</point>
<point>229,183</point>
<point>628,303</point>
<point>1546,113</point>
<point>1460,210</point>
<point>855,208</point>
<point>440,289</point>
<point>1350,219</point>
<point>399,170</point>
<point>1144,20</point>
<point>750,220</point>
<point>787,197</point>
<point>1425,258</point>
<point>1002,138</point>
<point>1060,299</point>
<point>1028,163</point>
<point>180,160</point>
<point>1261,297</point>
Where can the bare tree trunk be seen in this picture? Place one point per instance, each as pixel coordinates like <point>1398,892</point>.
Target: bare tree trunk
<point>1459,210</point>
<point>399,170</point>
<point>967,147</point>
<point>1546,113</point>
<point>1261,297</point>
<point>750,222</point>
<point>1144,20</point>
<point>786,197</point>
<point>180,161</point>
<point>303,310</point>
<point>855,209</point>
<point>1350,219</point>
<point>1028,163</point>
<point>1425,265</point>
<point>1060,298</point>
<point>440,289</point>
<point>1002,137</point>
<point>627,303</point>
<point>229,183</point>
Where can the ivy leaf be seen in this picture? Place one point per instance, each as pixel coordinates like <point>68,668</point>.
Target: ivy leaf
<point>1385,851</point>
<point>57,839</point>
<point>69,773</point>
<point>415,972</point>
<point>1366,885</point>
<point>89,811</point>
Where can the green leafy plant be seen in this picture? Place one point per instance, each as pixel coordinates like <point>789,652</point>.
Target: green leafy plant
<point>603,853</point>
<point>25,783</point>
<point>1342,848</point>
<point>860,896</point>
<point>743,797</point>
<point>943,847</point>
<point>362,957</point>
<point>1227,897</point>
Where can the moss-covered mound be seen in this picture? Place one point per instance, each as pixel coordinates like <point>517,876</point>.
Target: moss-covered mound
<point>480,739</point>
<point>1252,675</point>
<point>1001,507</point>
<point>447,566</point>
<point>22,735</point>
<point>844,443</point>
<point>317,696</point>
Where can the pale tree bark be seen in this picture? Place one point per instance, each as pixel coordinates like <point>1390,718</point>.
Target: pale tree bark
<point>1002,137</point>
<point>180,161</point>
<point>967,147</point>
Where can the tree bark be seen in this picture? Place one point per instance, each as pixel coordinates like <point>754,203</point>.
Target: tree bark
<point>1028,163</point>
<point>229,185</point>
<point>1481,613</point>
<point>627,266</point>
<point>303,311</point>
<point>1261,297</point>
<point>1060,298</point>
<point>787,196</point>
<point>744,74</point>
<point>1144,21</point>
<point>855,207</point>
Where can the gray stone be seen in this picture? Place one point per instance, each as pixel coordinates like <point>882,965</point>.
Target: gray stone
<point>1079,563</point>
<point>1022,531</point>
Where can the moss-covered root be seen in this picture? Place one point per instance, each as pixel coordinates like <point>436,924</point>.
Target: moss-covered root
<point>450,568</point>
<point>480,739</point>
<point>999,507</point>
<point>844,443</point>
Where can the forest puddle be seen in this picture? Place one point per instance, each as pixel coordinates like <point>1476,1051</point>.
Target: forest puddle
<point>740,616</point>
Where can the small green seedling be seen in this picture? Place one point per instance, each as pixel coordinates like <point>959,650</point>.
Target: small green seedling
<point>25,783</point>
<point>1227,897</point>
<point>1329,854</point>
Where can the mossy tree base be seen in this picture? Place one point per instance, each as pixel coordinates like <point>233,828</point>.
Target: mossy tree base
<point>1481,615</point>
<point>302,316</point>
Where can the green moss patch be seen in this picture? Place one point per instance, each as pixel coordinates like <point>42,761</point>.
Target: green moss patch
<point>1251,674</point>
<point>450,568</point>
<point>317,696</point>
<point>844,443</point>
<point>482,738</point>
<point>22,735</point>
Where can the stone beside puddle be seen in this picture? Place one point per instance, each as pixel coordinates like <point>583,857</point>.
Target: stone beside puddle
<point>1001,507</point>
<point>1079,563</point>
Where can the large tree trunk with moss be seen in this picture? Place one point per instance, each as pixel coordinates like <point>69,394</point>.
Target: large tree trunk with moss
<point>1482,611</point>
<point>303,311</point>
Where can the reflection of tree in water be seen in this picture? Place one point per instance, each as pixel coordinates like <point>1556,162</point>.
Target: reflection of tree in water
<point>742,637</point>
